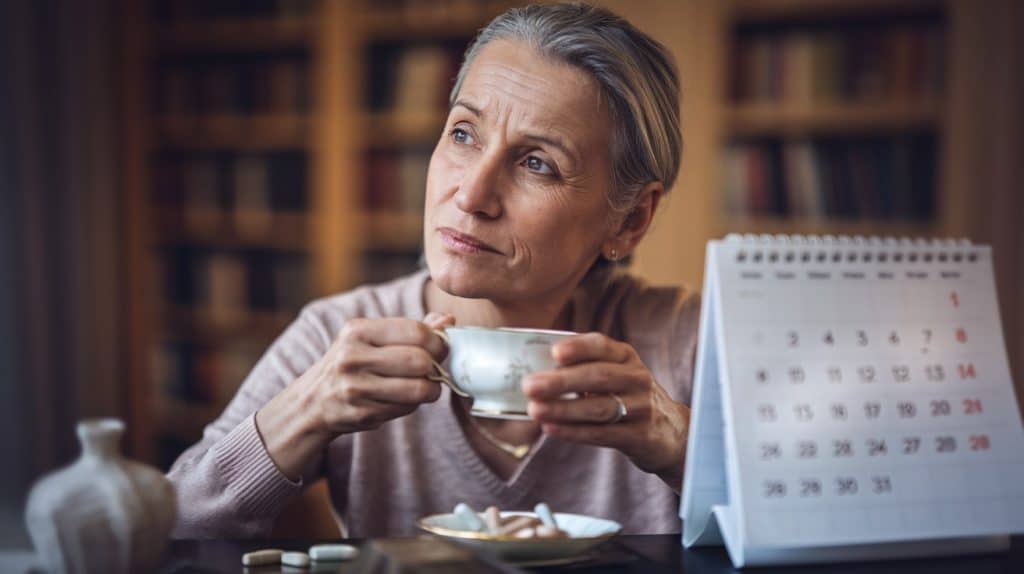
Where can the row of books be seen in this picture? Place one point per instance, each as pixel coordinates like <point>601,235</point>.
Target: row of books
<point>237,84</point>
<point>842,65</point>
<point>228,285</point>
<point>396,179</point>
<point>251,187</point>
<point>170,11</point>
<point>882,177</point>
<point>412,77</point>
<point>198,374</point>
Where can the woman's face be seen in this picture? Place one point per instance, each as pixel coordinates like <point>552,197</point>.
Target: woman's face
<point>516,204</point>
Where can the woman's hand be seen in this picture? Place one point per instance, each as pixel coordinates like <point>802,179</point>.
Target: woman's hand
<point>652,434</point>
<point>374,371</point>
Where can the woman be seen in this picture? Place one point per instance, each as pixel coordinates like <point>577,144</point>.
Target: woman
<point>562,137</point>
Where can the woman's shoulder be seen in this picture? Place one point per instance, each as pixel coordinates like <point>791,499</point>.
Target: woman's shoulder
<point>630,306</point>
<point>400,297</point>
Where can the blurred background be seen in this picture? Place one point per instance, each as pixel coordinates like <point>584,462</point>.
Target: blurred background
<point>179,176</point>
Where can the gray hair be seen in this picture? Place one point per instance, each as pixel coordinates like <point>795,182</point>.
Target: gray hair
<point>636,74</point>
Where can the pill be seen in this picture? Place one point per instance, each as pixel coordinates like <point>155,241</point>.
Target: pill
<point>469,518</point>
<point>544,513</point>
<point>516,524</point>
<point>332,552</point>
<point>261,557</point>
<point>492,518</point>
<point>299,559</point>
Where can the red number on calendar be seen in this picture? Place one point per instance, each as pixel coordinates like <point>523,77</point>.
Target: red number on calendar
<point>979,442</point>
<point>966,371</point>
<point>972,406</point>
<point>961,335</point>
<point>954,298</point>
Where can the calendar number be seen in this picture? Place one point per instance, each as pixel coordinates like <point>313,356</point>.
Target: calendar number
<point>807,449</point>
<point>945,444</point>
<point>794,338</point>
<point>901,373</point>
<point>810,487</point>
<point>972,406</point>
<point>835,375</point>
<point>767,413</point>
<point>829,339</point>
<point>770,451</point>
<point>941,408</point>
<point>774,489</point>
<point>839,411</point>
<point>911,444</point>
<point>842,448</point>
<point>761,375</point>
<point>876,447</point>
<point>954,298</point>
<point>803,412</point>
<point>797,375</point>
<point>979,442</point>
<point>866,374</point>
<point>966,371</point>
<point>906,409</point>
<point>872,410</point>
<point>846,485</point>
<point>961,335</point>
<point>935,373</point>
<point>881,484</point>
<point>894,338</point>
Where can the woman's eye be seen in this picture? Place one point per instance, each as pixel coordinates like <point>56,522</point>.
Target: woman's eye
<point>534,163</point>
<point>461,136</point>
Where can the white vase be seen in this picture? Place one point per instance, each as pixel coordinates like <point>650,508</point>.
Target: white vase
<point>102,513</point>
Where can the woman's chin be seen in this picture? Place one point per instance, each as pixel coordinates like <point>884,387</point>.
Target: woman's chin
<point>460,281</point>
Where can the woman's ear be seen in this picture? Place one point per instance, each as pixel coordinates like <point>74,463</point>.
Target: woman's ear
<point>635,224</point>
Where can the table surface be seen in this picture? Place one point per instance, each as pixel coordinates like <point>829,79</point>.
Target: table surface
<point>623,554</point>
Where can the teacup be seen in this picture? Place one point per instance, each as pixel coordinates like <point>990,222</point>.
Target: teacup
<point>489,364</point>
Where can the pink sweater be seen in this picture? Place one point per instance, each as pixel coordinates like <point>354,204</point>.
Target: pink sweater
<point>381,481</point>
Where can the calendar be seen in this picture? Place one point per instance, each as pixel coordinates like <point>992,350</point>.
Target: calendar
<point>852,401</point>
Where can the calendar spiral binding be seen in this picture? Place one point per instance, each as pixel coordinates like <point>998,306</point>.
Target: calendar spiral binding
<point>851,249</point>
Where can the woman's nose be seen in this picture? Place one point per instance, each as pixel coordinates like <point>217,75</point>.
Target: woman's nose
<point>478,193</point>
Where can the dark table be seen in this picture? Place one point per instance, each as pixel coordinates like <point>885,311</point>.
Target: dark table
<point>624,554</point>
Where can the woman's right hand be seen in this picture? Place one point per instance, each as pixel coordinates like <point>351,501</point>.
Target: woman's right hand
<point>374,371</point>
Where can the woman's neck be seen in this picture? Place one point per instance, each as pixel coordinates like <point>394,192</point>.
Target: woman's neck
<point>552,313</point>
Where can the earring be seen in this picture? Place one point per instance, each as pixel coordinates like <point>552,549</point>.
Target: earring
<point>613,255</point>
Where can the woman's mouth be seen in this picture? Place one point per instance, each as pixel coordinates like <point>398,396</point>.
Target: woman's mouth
<point>463,242</point>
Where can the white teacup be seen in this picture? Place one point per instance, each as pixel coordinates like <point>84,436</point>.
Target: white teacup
<point>489,364</point>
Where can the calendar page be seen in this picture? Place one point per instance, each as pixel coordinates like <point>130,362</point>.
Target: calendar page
<point>863,395</point>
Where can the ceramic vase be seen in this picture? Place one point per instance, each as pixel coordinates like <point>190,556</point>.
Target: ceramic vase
<point>102,513</point>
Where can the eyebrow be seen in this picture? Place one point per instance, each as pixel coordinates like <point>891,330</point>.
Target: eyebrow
<point>554,142</point>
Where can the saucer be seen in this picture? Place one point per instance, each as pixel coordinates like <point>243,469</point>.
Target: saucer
<point>585,532</point>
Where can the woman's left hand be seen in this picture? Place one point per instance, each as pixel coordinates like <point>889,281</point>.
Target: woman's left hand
<point>653,432</point>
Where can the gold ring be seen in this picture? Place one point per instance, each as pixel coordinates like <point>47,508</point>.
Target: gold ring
<point>621,412</point>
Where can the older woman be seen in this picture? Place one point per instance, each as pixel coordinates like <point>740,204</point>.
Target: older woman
<point>562,137</point>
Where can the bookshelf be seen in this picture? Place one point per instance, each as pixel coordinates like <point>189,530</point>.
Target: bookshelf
<point>833,117</point>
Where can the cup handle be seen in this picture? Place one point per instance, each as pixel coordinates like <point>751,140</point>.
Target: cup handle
<point>441,375</point>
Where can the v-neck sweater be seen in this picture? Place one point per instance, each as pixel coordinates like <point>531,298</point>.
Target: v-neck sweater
<point>381,481</point>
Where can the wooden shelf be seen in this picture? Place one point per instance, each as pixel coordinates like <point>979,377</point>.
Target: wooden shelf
<point>460,19</point>
<point>203,326</point>
<point>401,231</point>
<point>394,129</point>
<point>783,119</point>
<point>279,231</point>
<point>237,35</point>
<point>255,132</point>
<point>786,10</point>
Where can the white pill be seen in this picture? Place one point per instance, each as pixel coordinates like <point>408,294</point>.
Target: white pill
<point>469,518</point>
<point>261,558</point>
<point>544,513</point>
<point>299,559</point>
<point>332,552</point>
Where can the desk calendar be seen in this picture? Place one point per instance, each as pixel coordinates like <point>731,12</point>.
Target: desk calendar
<point>852,401</point>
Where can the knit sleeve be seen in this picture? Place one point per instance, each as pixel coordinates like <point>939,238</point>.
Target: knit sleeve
<point>227,484</point>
